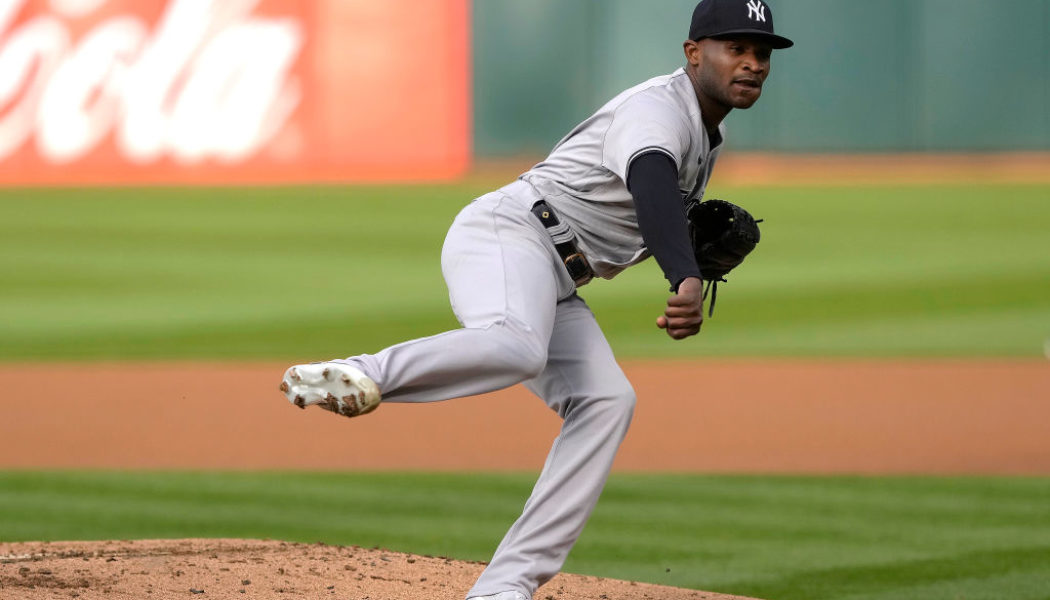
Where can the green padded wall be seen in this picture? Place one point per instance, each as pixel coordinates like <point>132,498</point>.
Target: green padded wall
<point>892,75</point>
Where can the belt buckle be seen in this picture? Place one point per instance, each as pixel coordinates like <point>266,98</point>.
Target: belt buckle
<point>578,268</point>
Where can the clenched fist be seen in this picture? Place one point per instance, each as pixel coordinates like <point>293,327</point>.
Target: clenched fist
<point>685,310</point>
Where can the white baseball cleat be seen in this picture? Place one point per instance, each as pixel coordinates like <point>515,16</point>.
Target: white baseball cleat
<point>337,387</point>
<point>502,596</point>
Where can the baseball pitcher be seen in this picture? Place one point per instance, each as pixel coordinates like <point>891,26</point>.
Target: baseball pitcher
<point>625,184</point>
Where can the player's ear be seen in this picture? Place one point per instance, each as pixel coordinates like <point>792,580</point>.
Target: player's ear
<point>692,52</point>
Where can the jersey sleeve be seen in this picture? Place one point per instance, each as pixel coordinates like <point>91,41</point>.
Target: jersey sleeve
<point>653,182</point>
<point>643,125</point>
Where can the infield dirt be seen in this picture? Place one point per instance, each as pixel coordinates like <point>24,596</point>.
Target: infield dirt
<point>924,417</point>
<point>260,570</point>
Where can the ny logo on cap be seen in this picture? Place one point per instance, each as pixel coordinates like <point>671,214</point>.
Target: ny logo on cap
<point>756,11</point>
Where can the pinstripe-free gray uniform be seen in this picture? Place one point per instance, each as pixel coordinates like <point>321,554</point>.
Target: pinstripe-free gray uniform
<point>523,321</point>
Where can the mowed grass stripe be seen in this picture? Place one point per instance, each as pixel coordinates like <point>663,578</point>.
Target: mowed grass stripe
<point>286,273</point>
<point>771,537</point>
<point>1014,573</point>
<point>759,536</point>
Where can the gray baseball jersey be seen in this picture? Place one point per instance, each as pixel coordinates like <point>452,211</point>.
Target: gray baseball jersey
<point>524,323</point>
<point>584,178</point>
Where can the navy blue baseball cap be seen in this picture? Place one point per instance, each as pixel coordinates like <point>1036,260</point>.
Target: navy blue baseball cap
<point>719,18</point>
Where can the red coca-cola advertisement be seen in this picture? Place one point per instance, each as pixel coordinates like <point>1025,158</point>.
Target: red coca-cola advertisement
<point>232,91</point>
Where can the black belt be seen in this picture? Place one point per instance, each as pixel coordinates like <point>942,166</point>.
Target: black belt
<point>564,242</point>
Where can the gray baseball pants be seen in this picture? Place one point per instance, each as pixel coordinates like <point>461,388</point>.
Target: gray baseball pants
<point>522,323</point>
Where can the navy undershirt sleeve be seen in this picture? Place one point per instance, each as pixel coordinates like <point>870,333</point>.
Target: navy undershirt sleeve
<point>653,181</point>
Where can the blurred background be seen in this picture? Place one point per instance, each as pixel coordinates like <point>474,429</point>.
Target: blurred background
<point>893,76</point>
<point>214,85</point>
<point>216,178</point>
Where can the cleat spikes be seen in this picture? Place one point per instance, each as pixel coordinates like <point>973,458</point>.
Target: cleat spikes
<point>335,387</point>
<point>331,403</point>
<point>350,408</point>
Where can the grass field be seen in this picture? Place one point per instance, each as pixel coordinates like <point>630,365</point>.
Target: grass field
<point>318,272</point>
<point>780,538</point>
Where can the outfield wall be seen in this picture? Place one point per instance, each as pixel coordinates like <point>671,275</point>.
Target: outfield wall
<point>892,75</point>
<point>232,91</point>
<point>268,91</point>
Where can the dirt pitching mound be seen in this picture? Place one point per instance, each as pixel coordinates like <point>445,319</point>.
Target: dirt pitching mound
<point>267,570</point>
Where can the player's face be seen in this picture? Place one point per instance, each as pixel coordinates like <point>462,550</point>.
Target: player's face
<point>731,71</point>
